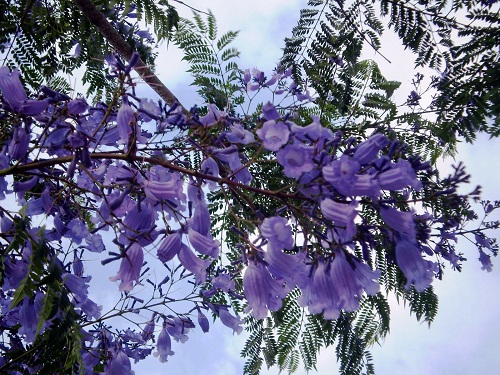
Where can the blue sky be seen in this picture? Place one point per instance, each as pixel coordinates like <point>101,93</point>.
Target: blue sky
<point>464,337</point>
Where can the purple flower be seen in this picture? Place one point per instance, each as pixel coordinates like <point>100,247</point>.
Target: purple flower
<point>286,267</point>
<point>149,328</point>
<point>368,150</point>
<point>210,167</point>
<point>130,268</point>
<point>343,216</point>
<point>401,222</point>
<point>318,292</point>
<point>350,282</point>
<point>274,134</point>
<point>140,221</point>
<point>20,187</point>
<point>119,364</point>
<point>193,264</point>
<point>204,244</point>
<point>163,346</point>
<point>200,221</point>
<point>416,269</point>
<point>485,261</point>
<point>169,189</point>
<point>224,282</point>
<point>77,285</point>
<point>213,116</point>
<point>77,230</point>
<point>269,111</point>
<point>344,177</point>
<point>90,308</point>
<point>77,106</point>
<point>94,243</point>
<point>296,159</point>
<point>230,156</point>
<point>178,328</point>
<point>229,320</point>
<point>125,120</point>
<point>203,322</point>
<point>277,232</point>
<point>313,132</point>
<point>19,144</point>
<point>399,176</point>
<point>28,318</point>
<point>14,95</point>
<point>262,292</point>
<point>169,247</point>
<point>238,134</point>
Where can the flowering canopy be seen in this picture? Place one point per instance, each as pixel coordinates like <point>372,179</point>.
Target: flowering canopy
<point>318,219</point>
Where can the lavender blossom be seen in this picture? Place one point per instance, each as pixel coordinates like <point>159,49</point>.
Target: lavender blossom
<point>296,158</point>
<point>203,322</point>
<point>417,270</point>
<point>368,150</point>
<point>318,293</point>
<point>77,106</point>
<point>163,346</point>
<point>209,166</point>
<point>400,221</point>
<point>277,231</point>
<point>169,247</point>
<point>119,364</point>
<point>485,261</point>
<point>350,282</point>
<point>284,267</point>
<point>193,264</point>
<point>343,216</point>
<point>130,268</point>
<point>19,144</point>
<point>14,96</point>
<point>233,322</point>
<point>269,111</point>
<point>274,134</point>
<point>204,244</point>
<point>399,176</point>
<point>125,120</point>
<point>238,134</point>
<point>262,291</point>
<point>28,318</point>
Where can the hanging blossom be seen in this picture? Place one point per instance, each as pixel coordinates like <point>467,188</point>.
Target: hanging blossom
<point>309,244</point>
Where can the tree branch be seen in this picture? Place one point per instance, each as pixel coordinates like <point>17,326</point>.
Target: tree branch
<point>123,49</point>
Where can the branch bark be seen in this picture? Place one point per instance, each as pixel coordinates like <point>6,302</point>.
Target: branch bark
<point>93,14</point>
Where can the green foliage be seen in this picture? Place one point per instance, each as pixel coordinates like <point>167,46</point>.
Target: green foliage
<point>211,60</point>
<point>40,38</point>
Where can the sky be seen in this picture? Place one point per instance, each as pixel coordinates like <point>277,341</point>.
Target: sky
<point>463,339</point>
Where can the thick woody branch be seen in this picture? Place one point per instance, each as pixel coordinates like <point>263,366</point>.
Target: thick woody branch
<point>124,50</point>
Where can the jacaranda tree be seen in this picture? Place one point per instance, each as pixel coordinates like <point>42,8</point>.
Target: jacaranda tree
<point>291,204</point>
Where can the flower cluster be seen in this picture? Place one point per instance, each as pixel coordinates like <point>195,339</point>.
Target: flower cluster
<point>140,175</point>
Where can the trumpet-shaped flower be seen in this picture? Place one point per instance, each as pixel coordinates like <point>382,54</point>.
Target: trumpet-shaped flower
<point>238,134</point>
<point>14,96</point>
<point>418,271</point>
<point>343,216</point>
<point>273,134</point>
<point>296,159</point>
<point>368,150</point>
<point>262,291</point>
<point>130,268</point>
<point>163,346</point>
<point>169,247</point>
<point>193,264</point>
<point>277,231</point>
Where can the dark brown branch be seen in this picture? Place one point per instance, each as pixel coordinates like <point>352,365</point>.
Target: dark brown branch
<point>123,49</point>
<point>44,163</point>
